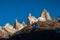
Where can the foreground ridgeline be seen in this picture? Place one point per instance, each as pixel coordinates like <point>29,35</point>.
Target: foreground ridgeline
<point>44,22</point>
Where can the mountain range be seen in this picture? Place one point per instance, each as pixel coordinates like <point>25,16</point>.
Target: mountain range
<point>44,22</point>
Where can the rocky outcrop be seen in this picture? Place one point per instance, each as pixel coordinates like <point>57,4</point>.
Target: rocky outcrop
<point>3,33</point>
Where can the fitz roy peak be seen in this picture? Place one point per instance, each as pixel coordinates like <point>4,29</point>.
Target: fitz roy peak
<point>46,15</point>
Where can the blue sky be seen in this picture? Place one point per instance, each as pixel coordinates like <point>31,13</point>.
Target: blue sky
<point>19,9</point>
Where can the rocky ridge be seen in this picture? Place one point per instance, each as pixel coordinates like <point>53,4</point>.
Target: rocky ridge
<point>44,22</point>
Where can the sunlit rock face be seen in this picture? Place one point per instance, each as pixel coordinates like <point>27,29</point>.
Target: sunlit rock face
<point>3,33</point>
<point>9,28</point>
<point>41,19</point>
<point>32,19</point>
<point>18,26</point>
<point>46,15</point>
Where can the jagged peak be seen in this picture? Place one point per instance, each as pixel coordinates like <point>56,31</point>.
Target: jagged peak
<point>7,24</point>
<point>18,26</point>
<point>30,14</point>
<point>45,10</point>
<point>23,22</point>
<point>46,15</point>
<point>32,19</point>
<point>16,23</point>
<point>16,20</point>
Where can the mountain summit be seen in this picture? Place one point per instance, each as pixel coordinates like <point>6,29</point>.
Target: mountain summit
<point>19,26</point>
<point>46,15</point>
